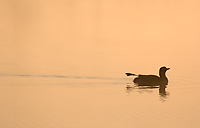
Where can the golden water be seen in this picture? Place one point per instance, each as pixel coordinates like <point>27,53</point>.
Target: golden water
<point>63,63</point>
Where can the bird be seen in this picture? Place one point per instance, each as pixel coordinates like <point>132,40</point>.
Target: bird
<point>151,80</point>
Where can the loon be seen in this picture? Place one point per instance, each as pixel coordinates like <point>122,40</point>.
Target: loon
<point>151,80</point>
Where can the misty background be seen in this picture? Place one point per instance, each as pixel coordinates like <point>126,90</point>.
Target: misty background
<point>99,38</point>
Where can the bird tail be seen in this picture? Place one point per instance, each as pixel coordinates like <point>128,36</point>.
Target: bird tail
<point>130,74</point>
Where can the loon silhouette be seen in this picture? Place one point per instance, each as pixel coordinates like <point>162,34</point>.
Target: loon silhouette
<point>151,80</point>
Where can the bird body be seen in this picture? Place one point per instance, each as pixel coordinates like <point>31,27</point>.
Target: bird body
<point>151,80</point>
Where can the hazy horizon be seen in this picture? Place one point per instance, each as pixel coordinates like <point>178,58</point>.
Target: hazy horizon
<point>63,63</point>
<point>39,35</point>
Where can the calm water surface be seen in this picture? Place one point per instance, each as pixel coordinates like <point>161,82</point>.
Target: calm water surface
<point>63,63</point>
<point>49,101</point>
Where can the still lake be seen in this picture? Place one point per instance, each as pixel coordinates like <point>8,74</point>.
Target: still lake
<point>77,101</point>
<point>63,63</point>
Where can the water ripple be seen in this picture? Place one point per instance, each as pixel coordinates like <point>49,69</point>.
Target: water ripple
<point>63,76</point>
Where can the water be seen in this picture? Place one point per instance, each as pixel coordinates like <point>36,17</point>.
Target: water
<point>63,63</point>
<point>63,101</point>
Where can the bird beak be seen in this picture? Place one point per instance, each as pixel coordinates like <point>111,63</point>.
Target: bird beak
<point>168,68</point>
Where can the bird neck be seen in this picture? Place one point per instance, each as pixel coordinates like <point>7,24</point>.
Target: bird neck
<point>162,74</point>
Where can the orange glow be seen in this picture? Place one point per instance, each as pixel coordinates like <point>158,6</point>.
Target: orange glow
<point>95,38</point>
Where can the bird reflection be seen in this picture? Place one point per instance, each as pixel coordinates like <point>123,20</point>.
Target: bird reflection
<point>148,89</point>
<point>162,90</point>
<point>145,83</point>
